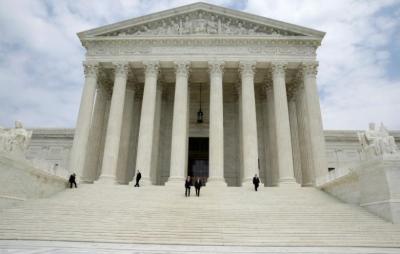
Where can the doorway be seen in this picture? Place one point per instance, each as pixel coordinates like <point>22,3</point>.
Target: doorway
<point>198,158</point>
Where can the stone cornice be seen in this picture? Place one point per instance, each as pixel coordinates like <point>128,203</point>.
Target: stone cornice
<point>202,46</point>
<point>210,39</point>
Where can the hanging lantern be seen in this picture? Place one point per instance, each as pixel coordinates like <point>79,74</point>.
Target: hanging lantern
<point>200,113</point>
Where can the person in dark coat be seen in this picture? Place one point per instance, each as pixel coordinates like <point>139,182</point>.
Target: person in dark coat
<point>188,183</point>
<point>72,180</point>
<point>197,186</point>
<point>256,181</point>
<point>138,176</point>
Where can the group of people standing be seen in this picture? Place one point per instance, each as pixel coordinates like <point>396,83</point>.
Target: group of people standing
<point>197,185</point>
<point>188,183</point>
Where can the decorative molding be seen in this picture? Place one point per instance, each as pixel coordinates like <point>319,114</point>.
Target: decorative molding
<point>91,69</point>
<point>216,67</point>
<point>200,22</point>
<point>121,69</point>
<point>278,69</point>
<point>182,68</point>
<point>204,46</point>
<point>247,68</point>
<point>309,68</point>
<point>151,68</point>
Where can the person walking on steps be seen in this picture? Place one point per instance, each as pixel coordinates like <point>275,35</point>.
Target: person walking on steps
<point>138,176</point>
<point>197,186</point>
<point>256,181</point>
<point>188,183</point>
<point>72,180</point>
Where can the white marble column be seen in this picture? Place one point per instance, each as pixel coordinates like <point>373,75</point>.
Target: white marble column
<point>248,123</point>
<point>294,134</point>
<point>81,136</point>
<point>114,125</point>
<point>156,140</point>
<point>273,168</point>
<point>147,120</point>
<point>306,160</point>
<point>216,143</point>
<point>127,123</point>
<point>282,127</point>
<point>309,71</point>
<point>96,130</point>
<point>180,123</point>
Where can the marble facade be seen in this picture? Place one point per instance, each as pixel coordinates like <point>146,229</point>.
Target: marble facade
<point>259,98</point>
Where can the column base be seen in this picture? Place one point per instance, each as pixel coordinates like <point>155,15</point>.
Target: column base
<point>85,180</point>
<point>216,182</point>
<point>175,181</point>
<point>105,179</point>
<point>288,183</point>
<point>307,185</point>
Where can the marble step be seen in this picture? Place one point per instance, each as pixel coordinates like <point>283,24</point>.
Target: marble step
<point>225,216</point>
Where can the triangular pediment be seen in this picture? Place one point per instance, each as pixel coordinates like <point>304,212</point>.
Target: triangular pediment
<point>201,19</point>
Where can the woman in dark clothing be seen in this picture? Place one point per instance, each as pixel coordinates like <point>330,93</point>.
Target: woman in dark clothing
<point>188,183</point>
<point>197,186</point>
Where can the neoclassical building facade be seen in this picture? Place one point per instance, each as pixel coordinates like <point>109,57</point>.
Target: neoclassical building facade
<point>200,90</point>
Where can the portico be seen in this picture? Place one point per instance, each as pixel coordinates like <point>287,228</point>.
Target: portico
<point>258,95</point>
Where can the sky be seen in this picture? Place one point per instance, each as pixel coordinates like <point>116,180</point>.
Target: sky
<point>41,74</point>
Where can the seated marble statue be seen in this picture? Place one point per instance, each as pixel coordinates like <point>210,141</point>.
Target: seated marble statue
<point>15,140</point>
<point>377,142</point>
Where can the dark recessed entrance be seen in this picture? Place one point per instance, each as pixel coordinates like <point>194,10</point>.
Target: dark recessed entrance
<point>198,158</point>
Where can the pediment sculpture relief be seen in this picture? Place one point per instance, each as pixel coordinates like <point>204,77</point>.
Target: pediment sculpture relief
<point>201,22</point>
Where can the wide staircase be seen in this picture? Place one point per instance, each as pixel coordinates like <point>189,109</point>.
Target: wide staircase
<point>279,216</point>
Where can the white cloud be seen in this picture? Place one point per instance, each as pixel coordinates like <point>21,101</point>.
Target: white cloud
<point>40,55</point>
<point>353,57</point>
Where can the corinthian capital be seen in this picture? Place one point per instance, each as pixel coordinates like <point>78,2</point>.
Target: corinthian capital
<point>278,68</point>
<point>182,68</point>
<point>91,69</point>
<point>121,69</point>
<point>151,68</point>
<point>216,67</point>
<point>247,68</point>
<point>309,68</point>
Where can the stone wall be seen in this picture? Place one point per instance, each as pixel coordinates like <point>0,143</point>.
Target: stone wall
<point>20,180</point>
<point>372,184</point>
<point>342,147</point>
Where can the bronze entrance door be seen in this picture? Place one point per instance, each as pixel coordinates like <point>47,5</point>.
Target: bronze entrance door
<point>198,158</point>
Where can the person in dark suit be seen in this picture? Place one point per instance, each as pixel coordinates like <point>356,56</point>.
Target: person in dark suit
<point>188,183</point>
<point>138,176</point>
<point>256,182</point>
<point>72,180</point>
<point>197,186</point>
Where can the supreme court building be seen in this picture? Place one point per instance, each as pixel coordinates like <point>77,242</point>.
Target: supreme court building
<point>200,90</point>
